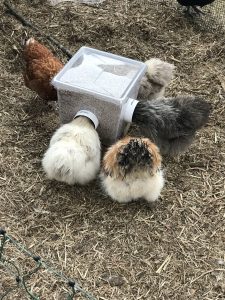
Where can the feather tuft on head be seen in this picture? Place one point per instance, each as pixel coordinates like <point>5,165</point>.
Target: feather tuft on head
<point>131,155</point>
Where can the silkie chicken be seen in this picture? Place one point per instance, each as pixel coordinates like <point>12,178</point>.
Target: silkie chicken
<point>171,123</point>
<point>74,153</point>
<point>193,4</point>
<point>131,170</point>
<point>159,74</point>
<point>41,67</point>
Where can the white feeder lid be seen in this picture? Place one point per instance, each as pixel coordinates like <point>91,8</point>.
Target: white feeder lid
<point>100,73</point>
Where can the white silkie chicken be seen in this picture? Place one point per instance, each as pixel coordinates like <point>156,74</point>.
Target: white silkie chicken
<point>74,153</point>
<point>158,75</point>
<point>132,170</point>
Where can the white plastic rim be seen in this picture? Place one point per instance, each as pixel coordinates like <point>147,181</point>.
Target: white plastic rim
<point>59,85</point>
<point>89,115</point>
<point>129,109</point>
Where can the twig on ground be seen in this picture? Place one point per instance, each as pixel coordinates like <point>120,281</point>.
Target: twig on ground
<point>27,23</point>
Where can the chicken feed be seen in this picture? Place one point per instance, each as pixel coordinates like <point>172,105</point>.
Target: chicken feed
<point>100,83</point>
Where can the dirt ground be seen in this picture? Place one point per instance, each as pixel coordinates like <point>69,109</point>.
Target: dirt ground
<point>175,250</point>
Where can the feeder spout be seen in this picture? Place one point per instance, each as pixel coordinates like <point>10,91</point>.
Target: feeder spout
<point>129,109</point>
<point>88,114</point>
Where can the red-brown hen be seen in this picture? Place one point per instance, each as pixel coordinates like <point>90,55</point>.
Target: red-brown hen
<point>41,67</point>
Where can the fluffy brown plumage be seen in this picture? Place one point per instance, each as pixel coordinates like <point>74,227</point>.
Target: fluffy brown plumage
<point>41,67</point>
<point>131,153</point>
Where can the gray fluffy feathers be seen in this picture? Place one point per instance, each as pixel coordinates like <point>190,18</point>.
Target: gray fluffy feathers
<point>159,74</point>
<point>171,123</point>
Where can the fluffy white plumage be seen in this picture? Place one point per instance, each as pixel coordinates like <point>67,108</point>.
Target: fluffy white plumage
<point>74,153</point>
<point>146,187</point>
<point>159,74</point>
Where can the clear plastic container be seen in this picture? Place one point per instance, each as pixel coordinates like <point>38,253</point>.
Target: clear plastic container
<point>103,84</point>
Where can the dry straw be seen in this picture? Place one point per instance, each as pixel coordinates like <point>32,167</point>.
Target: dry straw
<point>21,279</point>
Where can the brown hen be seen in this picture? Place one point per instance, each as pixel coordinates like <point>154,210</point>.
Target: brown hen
<point>41,67</point>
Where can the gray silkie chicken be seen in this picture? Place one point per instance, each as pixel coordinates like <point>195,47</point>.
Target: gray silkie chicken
<point>194,4</point>
<point>171,123</point>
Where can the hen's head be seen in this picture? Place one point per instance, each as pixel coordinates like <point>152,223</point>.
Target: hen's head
<point>130,156</point>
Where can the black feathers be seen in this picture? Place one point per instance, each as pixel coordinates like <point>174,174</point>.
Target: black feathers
<point>194,5</point>
<point>134,154</point>
<point>200,3</point>
<point>171,123</point>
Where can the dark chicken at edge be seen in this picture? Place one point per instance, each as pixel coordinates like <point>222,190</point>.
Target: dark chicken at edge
<point>194,3</point>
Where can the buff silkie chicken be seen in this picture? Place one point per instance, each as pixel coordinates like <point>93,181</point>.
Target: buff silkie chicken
<point>159,74</point>
<point>132,170</point>
<point>74,153</point>
<point>41,67</point>
<point>171,123</point>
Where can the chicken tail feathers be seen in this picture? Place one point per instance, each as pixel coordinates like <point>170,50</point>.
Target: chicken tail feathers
<point>179,114</point>
<point>159,72</point>
<point>193,111</point>
<point>170,121</point>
